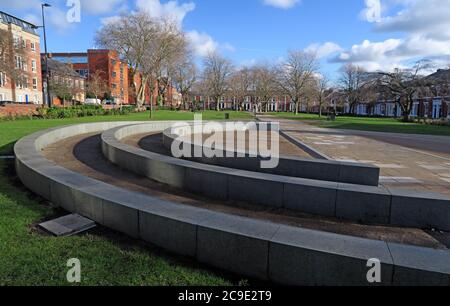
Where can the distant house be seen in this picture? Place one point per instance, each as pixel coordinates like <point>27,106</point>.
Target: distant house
<point>433,102</point>
<point>67,87</point>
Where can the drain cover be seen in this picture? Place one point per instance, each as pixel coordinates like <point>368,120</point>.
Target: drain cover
<point>68,225</point>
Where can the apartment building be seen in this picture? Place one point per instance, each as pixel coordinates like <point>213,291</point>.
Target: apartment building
<point>24,52</point>
<point>107,64</point>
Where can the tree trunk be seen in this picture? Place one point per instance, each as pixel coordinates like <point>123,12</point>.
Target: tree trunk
<point>140,98</point>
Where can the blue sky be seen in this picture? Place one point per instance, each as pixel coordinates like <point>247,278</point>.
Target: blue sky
<point>376,34</point>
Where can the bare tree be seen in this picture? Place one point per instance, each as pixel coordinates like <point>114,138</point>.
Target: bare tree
<point>170,49</point>
<point>217,71</point>
<point>131,35</point>
<point>404,85</point>
<point>295,73</point>
<point>353,83</point>
<point>321,91</point>
<point>264,83</point>
<point>96,85</point>
<point>185,76</point>
<point>240,83</point>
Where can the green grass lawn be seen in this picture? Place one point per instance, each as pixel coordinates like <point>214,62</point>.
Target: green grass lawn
<point>107,258</point>
<point>11,131</point>
<point>389,125</point>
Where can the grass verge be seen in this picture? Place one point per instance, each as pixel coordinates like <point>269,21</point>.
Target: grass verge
<point>388,125</point>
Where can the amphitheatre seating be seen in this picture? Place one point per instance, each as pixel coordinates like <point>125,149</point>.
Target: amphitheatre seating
<point>324,170</point>
<point>255,248</point>
<point>352,202</point>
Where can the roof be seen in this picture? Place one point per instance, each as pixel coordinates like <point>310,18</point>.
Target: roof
<point>25,25</point>
<point>62,69</point>
<point>440,75</point>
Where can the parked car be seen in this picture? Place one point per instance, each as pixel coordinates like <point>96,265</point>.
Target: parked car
<point>93,102</point>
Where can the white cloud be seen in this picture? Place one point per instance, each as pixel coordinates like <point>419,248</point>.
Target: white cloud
<point>171,9</point>
<point>99,6</point>
<point>425,27</point>
<point>323,50</point>
<point>202,43</point>
<point>284,4</point>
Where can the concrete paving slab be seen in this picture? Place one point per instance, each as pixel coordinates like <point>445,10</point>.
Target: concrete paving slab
<point>68,225</point>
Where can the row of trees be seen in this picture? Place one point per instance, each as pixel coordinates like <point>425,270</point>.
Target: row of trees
<point>297,78</point>
<point>401,86</point>
<point>158,51</point>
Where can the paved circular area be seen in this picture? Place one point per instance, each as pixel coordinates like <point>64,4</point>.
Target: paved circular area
<point>250,245</point>
<point>82,154</point>
<point>418,162</point>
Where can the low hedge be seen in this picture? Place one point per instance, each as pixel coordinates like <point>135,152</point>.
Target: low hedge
<point>82,111</point>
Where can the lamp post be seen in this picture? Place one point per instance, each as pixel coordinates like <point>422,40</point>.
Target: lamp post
<point>44,5</point>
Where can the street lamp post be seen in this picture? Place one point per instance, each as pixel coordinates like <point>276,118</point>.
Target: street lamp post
<point>47,81</point>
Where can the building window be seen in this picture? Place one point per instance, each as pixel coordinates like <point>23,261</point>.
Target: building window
<point>35,83</point>
<point>22,83</point>
<point>2,98</point>
<point>2,79</point>
<point>33,65</point>
<point>114,86</point>
<point>33,46</point>
<point>114,74</point>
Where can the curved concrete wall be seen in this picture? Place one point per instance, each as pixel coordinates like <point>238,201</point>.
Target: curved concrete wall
<point>332,199</point>
<point>283,254</point>
<point>324,170</point>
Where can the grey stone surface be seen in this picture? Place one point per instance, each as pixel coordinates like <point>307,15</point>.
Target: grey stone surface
<point>418,209</point>
<point>88,203</point>
<point>176,236</point>
<point>304,257</point>
<point>354,173</point>
<point>68,225</point>
<point>255,189</point>
<point>417,266</point>
<point>327,170</point>
<point>319,199</point>
<point>209,183</point>
<point>121,218</point>
<point>363,203</point>
<point>34,180</point>
<point>233,252</point>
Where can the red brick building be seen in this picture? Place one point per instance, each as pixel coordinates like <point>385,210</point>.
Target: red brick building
<point>27,86</point>
<point>173,98</point>
<point>104,62</point>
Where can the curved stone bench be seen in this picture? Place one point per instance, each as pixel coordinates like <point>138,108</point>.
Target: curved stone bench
<point>324,170</point>
<point>331,199</point>
<point>282,254</point>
